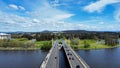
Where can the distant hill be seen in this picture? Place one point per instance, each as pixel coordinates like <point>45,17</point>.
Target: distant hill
<point>75,31</point>
<point>66,31</point>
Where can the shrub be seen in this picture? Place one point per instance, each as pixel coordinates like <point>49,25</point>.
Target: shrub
<point>5,44</point>
<point>75,41</point>
<point>86,45</point>
<point>46,45</point>
<point>23,39</point>
<point>15,43</point>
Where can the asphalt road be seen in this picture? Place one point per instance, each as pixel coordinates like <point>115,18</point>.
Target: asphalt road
<point>74,60</point>
<point>53,61</point>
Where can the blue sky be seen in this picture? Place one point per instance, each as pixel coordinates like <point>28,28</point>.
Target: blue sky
<point>57,15</point>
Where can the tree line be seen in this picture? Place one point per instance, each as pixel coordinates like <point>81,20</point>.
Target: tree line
<point>111,38</point>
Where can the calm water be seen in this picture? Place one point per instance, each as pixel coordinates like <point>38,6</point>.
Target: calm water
<point>104,58</point>
<point>21,59</point>
<point>63,59</point>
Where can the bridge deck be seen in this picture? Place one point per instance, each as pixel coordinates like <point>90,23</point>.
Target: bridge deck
<point>52,58</point>
<point>74,60</point>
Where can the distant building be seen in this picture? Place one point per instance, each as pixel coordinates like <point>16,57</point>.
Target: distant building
<point>5,36</point>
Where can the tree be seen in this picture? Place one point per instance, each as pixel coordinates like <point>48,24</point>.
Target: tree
<point>46,45</point>
<point>75,43</point>
<point>86,45</point>
<point>110,41</point>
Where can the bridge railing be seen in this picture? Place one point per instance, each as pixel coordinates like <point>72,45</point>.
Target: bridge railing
<point>45,61</point>
<point>79,58</point>
<point>65,49</point>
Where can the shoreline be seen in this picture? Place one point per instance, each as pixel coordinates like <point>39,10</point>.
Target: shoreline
<point>15,49</point>
<point>97,48</point>
<point>28,49</point>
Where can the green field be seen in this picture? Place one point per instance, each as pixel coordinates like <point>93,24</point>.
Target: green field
<point>93,44</point>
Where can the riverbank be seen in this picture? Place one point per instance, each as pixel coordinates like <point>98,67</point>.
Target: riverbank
<point>46,45</point>
<point>14,48</point>
<point>97,47</point>
<point>43,45</point>
<point>24,44</point>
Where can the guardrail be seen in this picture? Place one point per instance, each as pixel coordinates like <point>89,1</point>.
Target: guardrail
<point>85,65</point>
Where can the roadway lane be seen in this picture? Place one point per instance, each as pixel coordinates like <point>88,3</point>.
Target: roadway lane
<point>52,60</point>
<point>74,60</point>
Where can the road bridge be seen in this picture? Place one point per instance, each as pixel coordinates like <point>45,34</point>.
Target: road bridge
<point>52,58</point>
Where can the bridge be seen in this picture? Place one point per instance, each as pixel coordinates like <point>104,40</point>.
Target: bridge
<point>52,58</point>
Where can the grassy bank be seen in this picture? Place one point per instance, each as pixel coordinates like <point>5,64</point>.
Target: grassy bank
<point>43,45</point>
<point>24,44</point>
<point>17,44</point>
<point>93,44</point>
<point>14,48</point>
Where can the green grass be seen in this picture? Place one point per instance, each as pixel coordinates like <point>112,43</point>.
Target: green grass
<point>93,44</point>
<point>17,48</point>
<point>40,44</point>
<point>21,39</point>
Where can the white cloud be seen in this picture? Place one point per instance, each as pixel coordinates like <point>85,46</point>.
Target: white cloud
<point>13,19</point>
<point>36,21</point>
<point>49,13</point>
<point>117,15</point>
<point>46,18</point>
<point>13,6</point>
<point>11,22</point>
<point>99,5</point>
<point>59,17</point>
<point>55,3</point>
<point>21,7</point>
